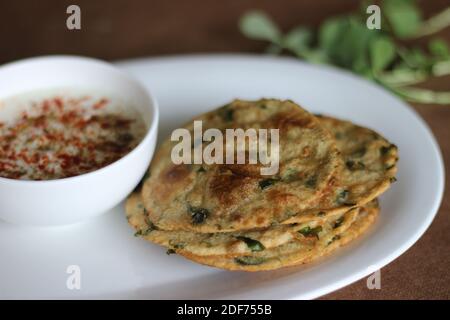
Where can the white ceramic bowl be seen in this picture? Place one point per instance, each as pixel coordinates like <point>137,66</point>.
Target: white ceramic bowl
<point>71,200</point>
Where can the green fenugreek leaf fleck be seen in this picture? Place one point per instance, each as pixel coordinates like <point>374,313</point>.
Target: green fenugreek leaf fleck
<point>249,260</point>
<point>290,174</point>
<point>201,169</point>
<point>338,222</point>
<point>354,165</point>
<point>310,232</point>
<point>390,167</point>
<point>145,232</point>
<point>311,182</point>
<point>226,113</point>
<point>170,251</point>
<point>342,197</point>
<point>336,237</point>
<point>253,245</point>
<point>384,150</point>
<point>198,215</point>
<point>263,184</point>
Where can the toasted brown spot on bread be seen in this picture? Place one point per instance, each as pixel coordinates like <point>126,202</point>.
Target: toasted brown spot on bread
<point>278,196</point>
<point>176,173</point>
<point>291,119</point>
<point>248,170</point>
<point>228,187</point>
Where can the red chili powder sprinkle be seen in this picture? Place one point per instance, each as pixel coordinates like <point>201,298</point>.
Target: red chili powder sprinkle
<point>62,139</point>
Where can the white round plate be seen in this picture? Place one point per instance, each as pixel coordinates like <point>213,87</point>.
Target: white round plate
<point>35,262</point>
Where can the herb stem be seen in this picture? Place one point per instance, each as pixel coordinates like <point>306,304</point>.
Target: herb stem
<point>402,77</point>
<point>434,24</point>
<point>441,68</point>
<point>420,95</point>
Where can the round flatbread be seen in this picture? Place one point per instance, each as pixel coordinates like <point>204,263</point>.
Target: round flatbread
<point>294,252</point>
<point>229,197</point>
<point>370,165</point>
<point>228,244</point>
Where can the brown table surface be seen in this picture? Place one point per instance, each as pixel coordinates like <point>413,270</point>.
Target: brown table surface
<point>125,29</point>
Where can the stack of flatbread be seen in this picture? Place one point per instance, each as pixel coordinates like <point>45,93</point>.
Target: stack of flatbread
<point>231,216</point>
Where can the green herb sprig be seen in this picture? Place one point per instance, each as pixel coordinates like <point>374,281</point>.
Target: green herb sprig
<point>377,54</point>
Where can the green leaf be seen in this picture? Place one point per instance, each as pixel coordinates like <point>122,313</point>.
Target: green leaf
<point>415,58</point>
<point>310,232</point>
<point>253,245</point>
<point>257,25</point>
<point>355,165</point>
<point>311,182</point>
<point>249,260</point>
<point>384,150</point>
<point>335,238</point>
<point>403,16</point>
<point>382,53</point>
<point>439,48</point>
<point>170,251</point>
<point>177,245</point>
<point>342,197</point>
<point>331,31</point>
<point>338,222</point>
<point>298,40</point>
<point>198,215</point>
<point>346,42</point>
<point>263,184</point>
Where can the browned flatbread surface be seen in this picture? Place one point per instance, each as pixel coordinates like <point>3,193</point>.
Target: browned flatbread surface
<point>295,252</point>
<point>230,197</point>
<point>370,167</point>
<point>227,243</point>
<point>233,217</point>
